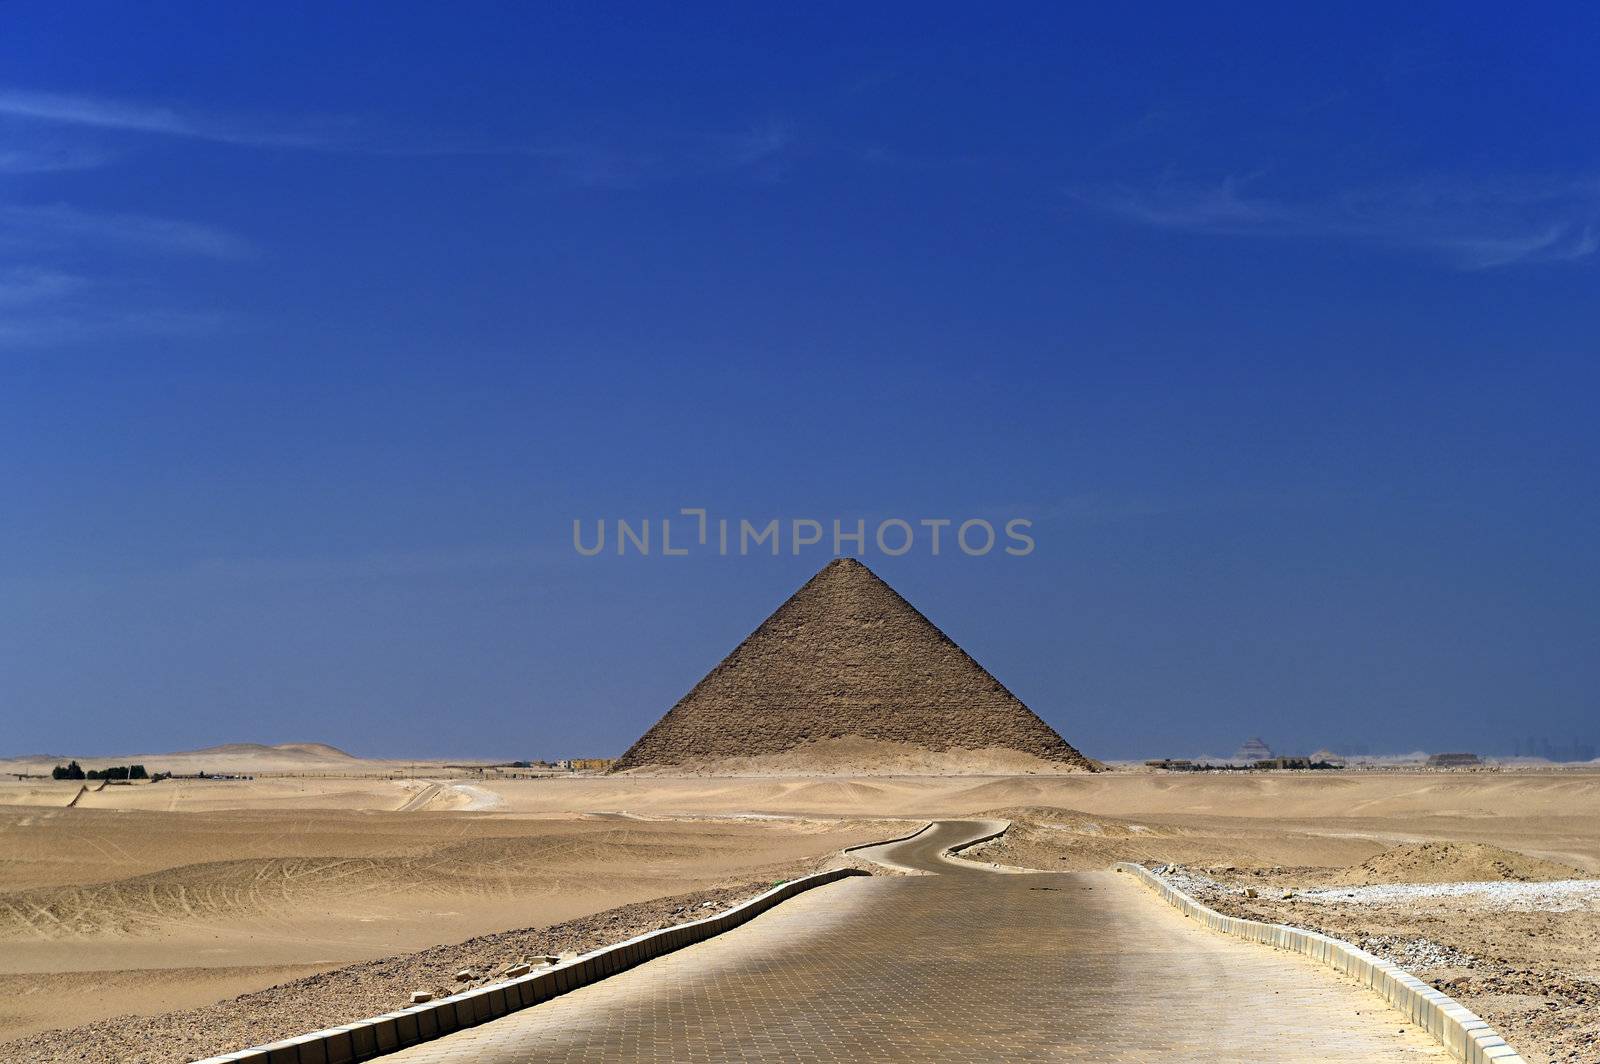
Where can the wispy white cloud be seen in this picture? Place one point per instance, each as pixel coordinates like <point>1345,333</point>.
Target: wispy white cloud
<point>88,111</point>
<point>46,307</point>
<point>624,160</point>
<point>758,145</point>
<point>47,300</point>
<point>77,322</point>
<point>1471,225</point>
<point>43,309</point>
<point>102,113</point>
<point>1219,208</point>
<point>51,226</point>
<point>1559,242</point>
<point>26,286</point>
<point>46,159</point>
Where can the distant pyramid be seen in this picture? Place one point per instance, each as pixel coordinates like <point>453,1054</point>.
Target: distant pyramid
<point>846,666</point>
<point>1253,750</point>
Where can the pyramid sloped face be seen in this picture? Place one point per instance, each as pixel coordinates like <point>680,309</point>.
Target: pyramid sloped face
<point>847,660</point>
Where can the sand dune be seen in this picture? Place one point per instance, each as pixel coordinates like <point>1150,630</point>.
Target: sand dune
<point>1454,862</point>
<point>1072,840</point>
<point>831,793</point>
<point>50,795</point>
<point>240,888</point>
<point>338,867</point>
<point>182,898</point>
<point>87,889</point>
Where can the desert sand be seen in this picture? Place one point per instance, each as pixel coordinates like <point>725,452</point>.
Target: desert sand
<point>258,759</point>
<point>152,897</point>
<point>141,899</point>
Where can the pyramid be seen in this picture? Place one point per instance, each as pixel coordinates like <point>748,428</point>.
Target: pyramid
<point>844,671</point>
<point>1253,750</point>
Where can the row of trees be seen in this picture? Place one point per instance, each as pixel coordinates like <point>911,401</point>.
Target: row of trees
<point>74,771</point>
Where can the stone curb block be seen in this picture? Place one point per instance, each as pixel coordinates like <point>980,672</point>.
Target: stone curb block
<point>1461,1031</point>
<point>889,842</point>
<point>1005,826</point>
<point>374,1037</point>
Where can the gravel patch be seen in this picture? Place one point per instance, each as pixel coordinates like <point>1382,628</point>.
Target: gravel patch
<point>1200,887</point>
<point>1415,954</point>
<point>1561,896</point>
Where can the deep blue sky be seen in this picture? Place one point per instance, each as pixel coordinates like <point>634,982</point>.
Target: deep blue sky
<point>320,324</point>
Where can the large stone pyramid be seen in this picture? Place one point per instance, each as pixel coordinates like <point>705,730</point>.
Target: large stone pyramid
<point>845,676</point>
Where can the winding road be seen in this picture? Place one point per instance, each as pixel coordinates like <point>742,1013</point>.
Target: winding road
<point>957,963</point>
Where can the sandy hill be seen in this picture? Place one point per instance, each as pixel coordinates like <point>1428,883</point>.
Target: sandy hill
<point>1455,862</point>
<point>239,758</point>
<point>847,676</point>
<point>322,749</point>
<point>296,751</point>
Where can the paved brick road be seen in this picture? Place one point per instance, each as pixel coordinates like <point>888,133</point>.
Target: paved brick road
<point>962,965</point>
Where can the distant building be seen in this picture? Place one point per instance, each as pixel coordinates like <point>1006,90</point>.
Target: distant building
<point>1253,750</point>
<point>1328,757</point>
<point>1295,763</point>
<point>1454,760</point>
<point>585,764</point>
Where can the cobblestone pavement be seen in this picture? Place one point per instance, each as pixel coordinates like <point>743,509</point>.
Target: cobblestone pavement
<point>964,964</point>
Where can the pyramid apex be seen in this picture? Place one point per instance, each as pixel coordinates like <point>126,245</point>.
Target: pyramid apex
<point>853,570</point>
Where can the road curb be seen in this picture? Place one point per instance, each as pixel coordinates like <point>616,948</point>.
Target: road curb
<point>1005,826</point>
<point>888,842</point>
<point>953,856</point>
<point>952,853</point>
<point>1460,1030</point>
<point>373,1037</point>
